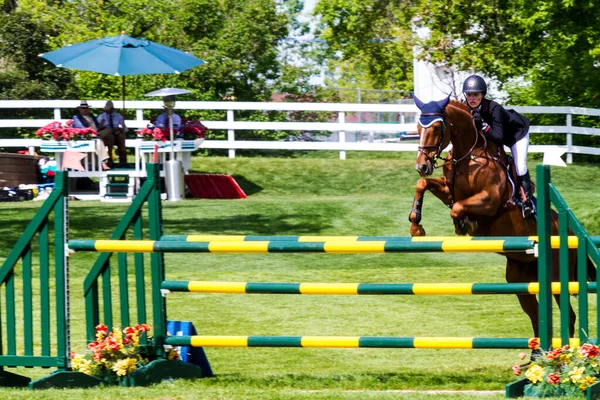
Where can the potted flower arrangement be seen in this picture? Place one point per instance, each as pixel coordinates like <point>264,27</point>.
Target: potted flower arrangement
<point>192,130</point>
<point>565,371</point>
<point>115,355</point>
<point>153,133</point>
<point>65,132</point>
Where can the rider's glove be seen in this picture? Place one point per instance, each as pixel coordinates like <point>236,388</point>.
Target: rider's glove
<point>485,128</point>
<point>477,119</point>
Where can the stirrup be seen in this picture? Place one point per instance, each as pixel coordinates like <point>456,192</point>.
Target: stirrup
<point>528,209</point>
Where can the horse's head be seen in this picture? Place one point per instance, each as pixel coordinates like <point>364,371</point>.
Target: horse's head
<point>432,128</point>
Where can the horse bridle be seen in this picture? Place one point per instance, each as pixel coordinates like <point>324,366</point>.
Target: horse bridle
<point>438,147</point>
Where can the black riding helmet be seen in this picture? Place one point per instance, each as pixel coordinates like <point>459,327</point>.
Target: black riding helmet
<point>475,84</point>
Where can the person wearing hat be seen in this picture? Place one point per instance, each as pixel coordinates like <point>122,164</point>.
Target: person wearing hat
<point>83,119</point>
<point>112,131</point>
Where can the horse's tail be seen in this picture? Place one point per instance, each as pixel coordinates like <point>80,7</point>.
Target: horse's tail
<point>591,270</point>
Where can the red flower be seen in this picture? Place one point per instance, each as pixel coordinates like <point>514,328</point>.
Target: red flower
<point>553,378</point>
<point>129,331</point>
<point>516,369</point>
<point>588,350</point>
<point>102,329</point>
<point>554,353</point>
<point>142,328</point>
<point>534,344</point>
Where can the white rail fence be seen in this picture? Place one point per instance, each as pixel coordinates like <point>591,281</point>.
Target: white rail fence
<point>64,109</point>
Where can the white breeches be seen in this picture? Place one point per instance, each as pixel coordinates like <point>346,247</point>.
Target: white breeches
<point>519,153</point>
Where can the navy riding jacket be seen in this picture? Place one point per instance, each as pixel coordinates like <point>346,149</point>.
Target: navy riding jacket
<point>506,126</point>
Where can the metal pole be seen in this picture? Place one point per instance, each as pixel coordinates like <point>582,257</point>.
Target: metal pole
<point>569,139</point>
<point>544,257</point>
<point>170,115</point>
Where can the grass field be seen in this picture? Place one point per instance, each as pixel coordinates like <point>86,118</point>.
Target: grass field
<point>317,194</point>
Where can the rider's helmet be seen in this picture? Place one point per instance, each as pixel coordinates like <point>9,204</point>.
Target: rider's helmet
<point>475,84</point>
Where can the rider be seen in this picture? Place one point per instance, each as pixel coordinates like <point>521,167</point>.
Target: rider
<point>503,127</point>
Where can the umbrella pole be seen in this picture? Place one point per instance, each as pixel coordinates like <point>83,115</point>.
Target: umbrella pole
<point>170,114</point>
<point>123,90</point>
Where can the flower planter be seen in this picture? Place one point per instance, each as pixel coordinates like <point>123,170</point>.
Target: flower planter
<point>520,388</point>
<point>179,145</point>
<point>60,146</point>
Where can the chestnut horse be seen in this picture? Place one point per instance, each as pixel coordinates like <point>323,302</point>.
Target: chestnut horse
<point>476,188</point>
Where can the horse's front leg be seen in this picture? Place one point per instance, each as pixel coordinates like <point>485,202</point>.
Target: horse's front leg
<point>439,188</point>
<point>482,204</point>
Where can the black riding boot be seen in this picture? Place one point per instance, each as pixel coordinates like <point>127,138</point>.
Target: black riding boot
<point>526,194</point>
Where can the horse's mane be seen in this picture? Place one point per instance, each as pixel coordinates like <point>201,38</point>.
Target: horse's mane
<point>460,106</point>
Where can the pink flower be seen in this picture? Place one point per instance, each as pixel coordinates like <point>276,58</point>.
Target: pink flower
<point>522,355</point>
<point>516,369</point>
<point>57,131</point>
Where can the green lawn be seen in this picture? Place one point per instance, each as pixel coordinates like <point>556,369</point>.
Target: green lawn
<point>367,194</point>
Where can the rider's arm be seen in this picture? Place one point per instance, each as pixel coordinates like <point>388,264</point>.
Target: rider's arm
<point>496,131</point>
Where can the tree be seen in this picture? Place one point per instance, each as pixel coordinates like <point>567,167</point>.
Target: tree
<point>22,75</point>
<point>238,39</point>
<point>369,42</point>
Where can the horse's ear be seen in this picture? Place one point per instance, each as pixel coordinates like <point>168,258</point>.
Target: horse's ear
<point>444,103</point>
<point>418,102</point>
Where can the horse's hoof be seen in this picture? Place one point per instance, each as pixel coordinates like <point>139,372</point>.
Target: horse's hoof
<point>417,230</point>
<point>460,228</point>
<point>471,226</point>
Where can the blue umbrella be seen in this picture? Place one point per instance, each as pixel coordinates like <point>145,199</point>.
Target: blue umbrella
<point>121,56</point>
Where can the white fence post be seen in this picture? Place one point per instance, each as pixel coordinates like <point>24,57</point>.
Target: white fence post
<point>342,134</point>
<point>57,114</point>
<point>139,114</point>
<point>569,139</point>
<point>230,133</point>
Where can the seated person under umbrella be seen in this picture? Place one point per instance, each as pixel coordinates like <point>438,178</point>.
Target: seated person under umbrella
<point>86,120</point>
<point>162,122</point>
<point>112,131</point>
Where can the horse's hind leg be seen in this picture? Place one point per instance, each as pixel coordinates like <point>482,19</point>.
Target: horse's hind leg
<point>439,188</point>
<point>525,272</point>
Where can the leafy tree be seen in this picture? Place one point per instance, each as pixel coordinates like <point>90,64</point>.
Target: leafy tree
<point>369,42</point>
<point>22,75</point>
<point>238,39</point>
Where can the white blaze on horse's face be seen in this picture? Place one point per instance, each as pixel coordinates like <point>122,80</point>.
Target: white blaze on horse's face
<point>430,139</point>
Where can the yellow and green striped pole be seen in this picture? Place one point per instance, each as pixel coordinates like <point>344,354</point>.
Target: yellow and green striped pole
<point>357,342</point>
<point>573,241</point>
<point>364,288</point>
<point>458,244</point>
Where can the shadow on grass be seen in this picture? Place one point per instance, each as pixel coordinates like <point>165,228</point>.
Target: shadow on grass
<point>474,379</point>
<point>250,224</point>
<point>247,186</point>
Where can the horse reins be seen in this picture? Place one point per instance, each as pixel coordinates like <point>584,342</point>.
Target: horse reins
<point>438,147</point>
<point>438,150</point>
